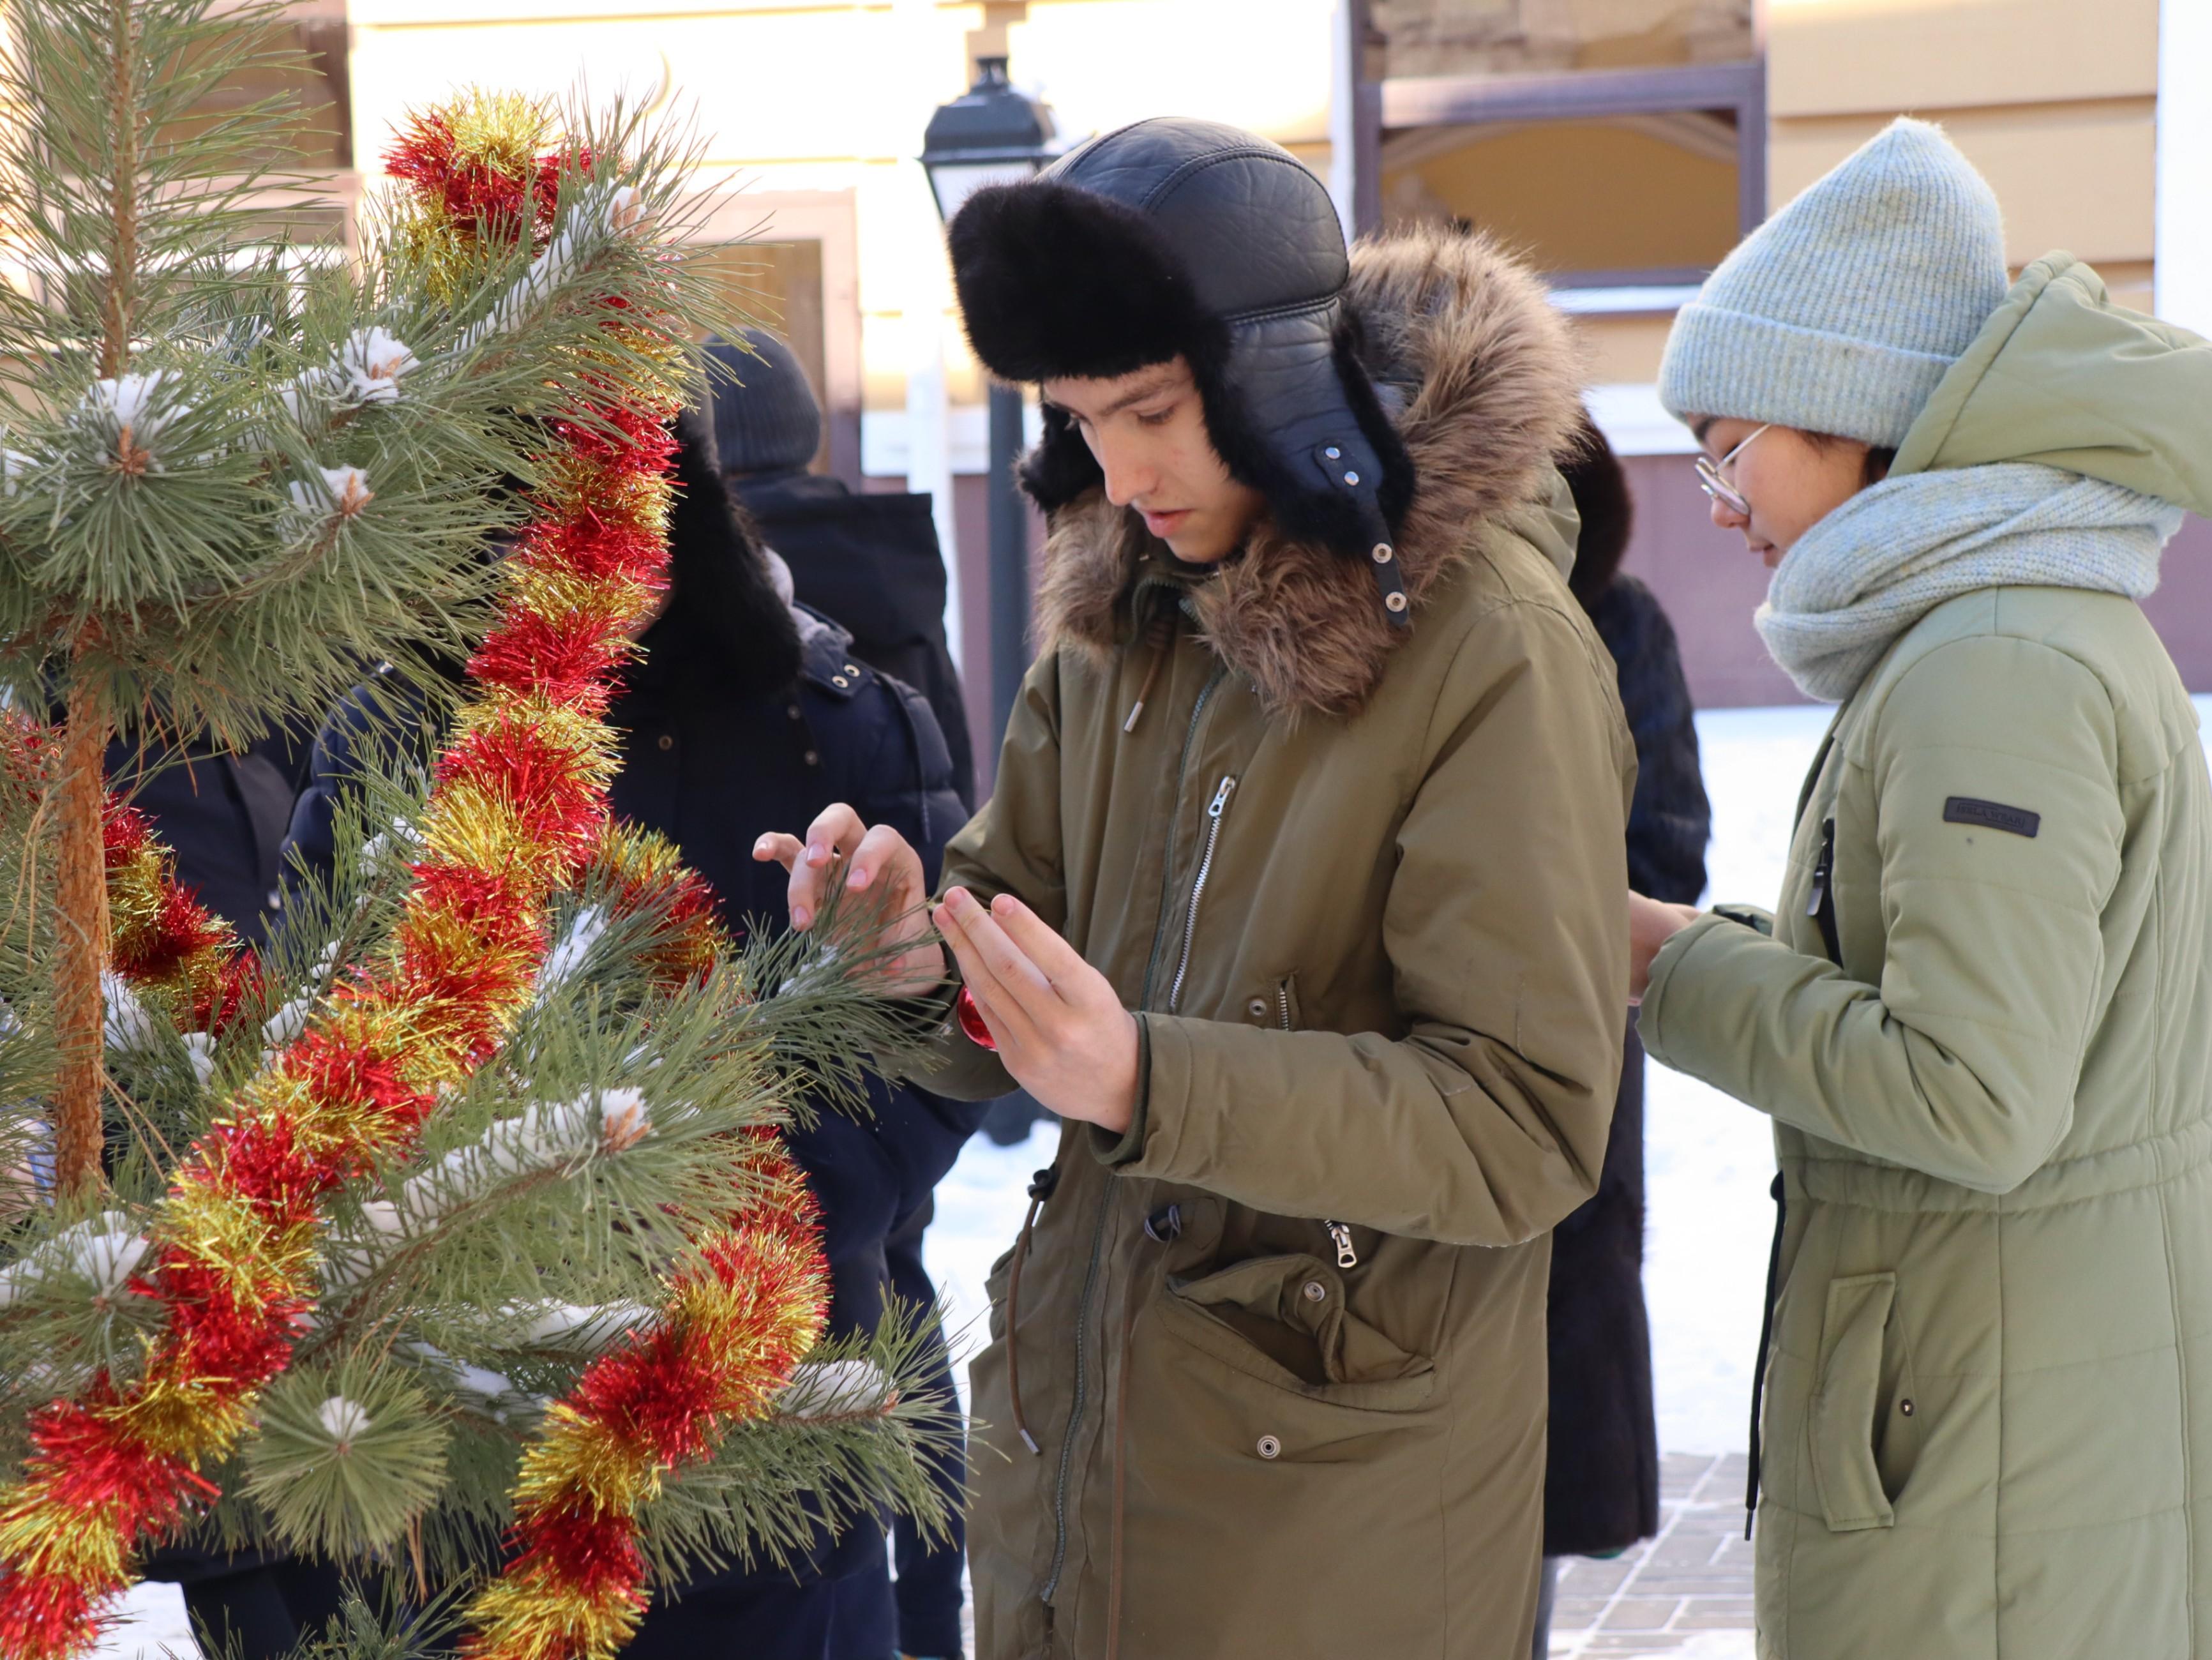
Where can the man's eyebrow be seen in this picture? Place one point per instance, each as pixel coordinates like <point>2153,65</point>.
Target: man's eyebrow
<point>1137,394</point>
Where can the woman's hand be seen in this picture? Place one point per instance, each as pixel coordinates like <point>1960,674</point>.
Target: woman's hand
<point>1651,924</point>
<point>1058,1025</point>
<point>878,862</point>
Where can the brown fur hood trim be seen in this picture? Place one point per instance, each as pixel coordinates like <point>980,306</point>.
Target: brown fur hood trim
<point>1482,378</point>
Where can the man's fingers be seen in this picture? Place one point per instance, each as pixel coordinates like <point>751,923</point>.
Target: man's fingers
<point>1053,957</point>
<point>837,828</point>
<point>1009,963</point>
<point>1010,1023</point>
<point>775,845</point>
<point>884,852</point>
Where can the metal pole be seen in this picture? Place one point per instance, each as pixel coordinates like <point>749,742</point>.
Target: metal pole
<point>1009,559</point>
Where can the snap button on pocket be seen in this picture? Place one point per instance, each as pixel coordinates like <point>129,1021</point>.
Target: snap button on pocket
<point>1270,1447</point>
<point>1905,1406</point>
<point>1315,1291</point>
<point>1257,1008</point>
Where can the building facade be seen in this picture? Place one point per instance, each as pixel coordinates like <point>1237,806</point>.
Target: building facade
<point>1623,144</point>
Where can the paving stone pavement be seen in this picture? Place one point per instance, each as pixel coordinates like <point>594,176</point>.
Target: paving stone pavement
<point>1686,1593</point>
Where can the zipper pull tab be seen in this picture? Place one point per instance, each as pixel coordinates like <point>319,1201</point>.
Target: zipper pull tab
<point>1346,1257</point>
<point>1824,869</point>
<point>1220,802</point>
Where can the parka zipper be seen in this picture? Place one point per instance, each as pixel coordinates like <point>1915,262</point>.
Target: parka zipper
<point>1347,1254</point>
<point>1214,809</point>
<point>1105,1196</point>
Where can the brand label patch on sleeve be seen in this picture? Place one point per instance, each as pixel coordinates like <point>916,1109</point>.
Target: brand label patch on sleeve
<point>1991,815</point>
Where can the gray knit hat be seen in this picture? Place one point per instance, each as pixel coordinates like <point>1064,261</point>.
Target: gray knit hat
<point>765,419</point>
<point>1841,313</point>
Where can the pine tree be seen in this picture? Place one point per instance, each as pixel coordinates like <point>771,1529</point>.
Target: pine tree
<point>461,1214</point>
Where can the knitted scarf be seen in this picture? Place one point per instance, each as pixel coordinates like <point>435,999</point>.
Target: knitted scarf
<point>1893,552</point>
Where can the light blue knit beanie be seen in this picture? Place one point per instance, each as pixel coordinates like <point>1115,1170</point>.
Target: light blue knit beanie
<point>1841,313</point>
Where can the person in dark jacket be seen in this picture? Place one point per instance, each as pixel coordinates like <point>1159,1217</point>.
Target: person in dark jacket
<point>870,561</point>
<point>743,711</point>
<point>1601,1477</point>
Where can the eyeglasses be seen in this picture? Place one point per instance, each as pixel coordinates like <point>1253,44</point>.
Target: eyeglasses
<point>1710,479</point>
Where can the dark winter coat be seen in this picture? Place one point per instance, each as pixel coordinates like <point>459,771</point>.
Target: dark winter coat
<point>223,815</point>
<point>872,564</point>
<point>1601,1480</point>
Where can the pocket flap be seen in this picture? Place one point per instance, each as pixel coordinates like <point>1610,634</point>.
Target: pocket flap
<point>1290,1310</point>
<point>1847,1401</point>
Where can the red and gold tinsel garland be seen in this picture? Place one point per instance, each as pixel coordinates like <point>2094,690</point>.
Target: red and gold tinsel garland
<point>517,811</point>
<point>163,942</point>
<point>734,1325</point>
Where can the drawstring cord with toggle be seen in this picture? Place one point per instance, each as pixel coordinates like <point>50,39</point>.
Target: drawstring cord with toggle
<point>1159,634</point>
<point>1040,1187</point>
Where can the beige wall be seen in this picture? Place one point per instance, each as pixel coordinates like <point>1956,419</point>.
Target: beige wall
<point>2055,100</point>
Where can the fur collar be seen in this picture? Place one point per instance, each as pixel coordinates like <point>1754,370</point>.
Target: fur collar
<point>1481,376</point>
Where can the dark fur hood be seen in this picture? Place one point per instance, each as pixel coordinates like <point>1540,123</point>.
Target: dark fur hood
<point>1480,376</point>
<point>725,631</point>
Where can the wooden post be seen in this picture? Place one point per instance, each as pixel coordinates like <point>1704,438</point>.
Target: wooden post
<point>82,942</point>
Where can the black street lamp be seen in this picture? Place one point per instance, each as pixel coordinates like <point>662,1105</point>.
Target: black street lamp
<point>993,135</point>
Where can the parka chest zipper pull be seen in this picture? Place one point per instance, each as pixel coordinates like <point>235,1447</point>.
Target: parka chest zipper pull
<point>1214,809</point>
<point>1346,1256</point>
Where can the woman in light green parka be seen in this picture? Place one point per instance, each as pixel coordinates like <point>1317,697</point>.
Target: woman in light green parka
<point>1981,1019</point>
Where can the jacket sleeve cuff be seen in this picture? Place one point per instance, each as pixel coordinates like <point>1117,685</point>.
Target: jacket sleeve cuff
<point>940,1057</point>
<point>1652,1019</point>
<point>1116,1151</point>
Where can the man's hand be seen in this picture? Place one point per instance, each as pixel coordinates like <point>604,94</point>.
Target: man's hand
<point>1060,1027</point>
<point>1651,924</point>
<point>878,862</point>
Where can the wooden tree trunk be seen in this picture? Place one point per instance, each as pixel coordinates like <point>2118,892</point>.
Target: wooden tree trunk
<point>80,1012</point>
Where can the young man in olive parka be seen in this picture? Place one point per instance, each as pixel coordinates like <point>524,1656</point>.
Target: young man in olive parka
<point>1300,897</point>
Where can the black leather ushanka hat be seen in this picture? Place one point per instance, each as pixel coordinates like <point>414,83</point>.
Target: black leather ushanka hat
<point>1178,238</point>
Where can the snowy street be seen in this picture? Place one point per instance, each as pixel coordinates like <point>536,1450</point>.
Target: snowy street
<point>1708,1164</point>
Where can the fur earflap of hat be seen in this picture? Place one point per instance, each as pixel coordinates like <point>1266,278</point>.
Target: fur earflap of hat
<point>1187,239</point>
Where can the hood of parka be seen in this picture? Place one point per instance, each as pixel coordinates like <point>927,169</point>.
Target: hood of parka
<point>1480,376</point>
<point>2061,375</point>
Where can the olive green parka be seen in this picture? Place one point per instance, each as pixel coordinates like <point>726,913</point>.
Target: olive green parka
<point>1267,1376</point>
<point>1987,1418</point>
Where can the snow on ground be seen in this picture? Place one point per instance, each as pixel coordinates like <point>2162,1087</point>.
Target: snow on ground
<point>150,1626</point>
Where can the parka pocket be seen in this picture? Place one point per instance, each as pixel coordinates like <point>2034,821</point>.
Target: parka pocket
<point>1849,1405</point>
<point>1287,1472</point>
<point>1283,1320</point>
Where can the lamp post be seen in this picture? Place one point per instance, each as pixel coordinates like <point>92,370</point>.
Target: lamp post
<point>993,135</point>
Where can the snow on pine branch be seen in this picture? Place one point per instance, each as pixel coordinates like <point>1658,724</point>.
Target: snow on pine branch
<point>543,1138</point>
<point>103,1249</point>
<point>599,216</point>
<point>365,370</point>
<point>836,1389</point>
<point>127,416</point>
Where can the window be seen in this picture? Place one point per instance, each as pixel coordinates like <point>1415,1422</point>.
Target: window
<point>779,286</point>
<point>1613,142</point>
